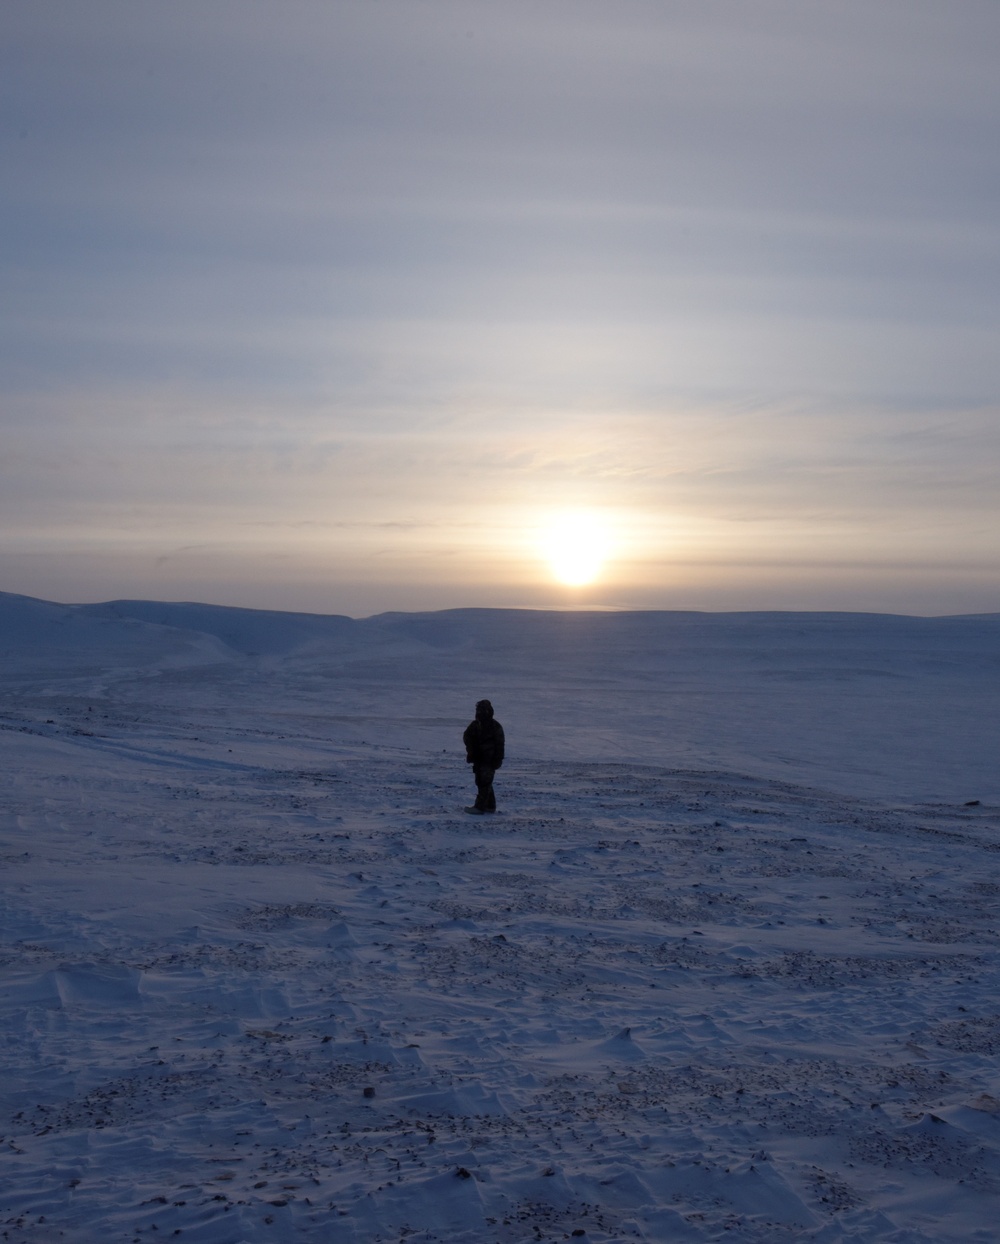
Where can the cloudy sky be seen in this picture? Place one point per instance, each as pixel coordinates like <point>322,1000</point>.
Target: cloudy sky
<point>396,304</point>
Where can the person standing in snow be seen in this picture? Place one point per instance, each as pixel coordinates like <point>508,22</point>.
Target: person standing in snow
<point>484,743</point>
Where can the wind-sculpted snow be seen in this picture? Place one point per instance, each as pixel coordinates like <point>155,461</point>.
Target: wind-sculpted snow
<point>262,980</point>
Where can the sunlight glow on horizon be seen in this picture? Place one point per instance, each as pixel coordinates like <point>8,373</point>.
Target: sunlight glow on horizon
<point>576,545</point>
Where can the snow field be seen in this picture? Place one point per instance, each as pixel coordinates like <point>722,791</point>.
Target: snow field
<point>261,979</point>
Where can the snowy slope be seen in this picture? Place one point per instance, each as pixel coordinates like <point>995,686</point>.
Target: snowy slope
<point>863,704</point>
<point>725,965</point>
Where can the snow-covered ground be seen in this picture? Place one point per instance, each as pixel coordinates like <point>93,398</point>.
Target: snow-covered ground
<point>723,967</point>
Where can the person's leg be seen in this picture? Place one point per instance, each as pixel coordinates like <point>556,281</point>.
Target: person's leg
<point>484,790</point>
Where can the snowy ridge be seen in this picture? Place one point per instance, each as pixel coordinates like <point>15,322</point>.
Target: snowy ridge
<point>261,979</point>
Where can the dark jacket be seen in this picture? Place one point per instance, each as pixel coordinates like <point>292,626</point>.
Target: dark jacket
<point>483,739</point>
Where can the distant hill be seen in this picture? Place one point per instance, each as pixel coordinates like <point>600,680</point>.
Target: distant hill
<point>863,702</point>
<point>249,631</point>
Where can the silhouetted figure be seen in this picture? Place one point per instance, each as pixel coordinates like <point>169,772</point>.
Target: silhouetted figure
<point>484,743</point>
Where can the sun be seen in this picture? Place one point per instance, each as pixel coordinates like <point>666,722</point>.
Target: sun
<point>576,546</point>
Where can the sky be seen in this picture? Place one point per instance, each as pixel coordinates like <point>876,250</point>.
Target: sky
<point>413,304</point>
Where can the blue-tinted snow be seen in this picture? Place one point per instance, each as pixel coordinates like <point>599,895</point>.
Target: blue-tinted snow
<point>725,965</point>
